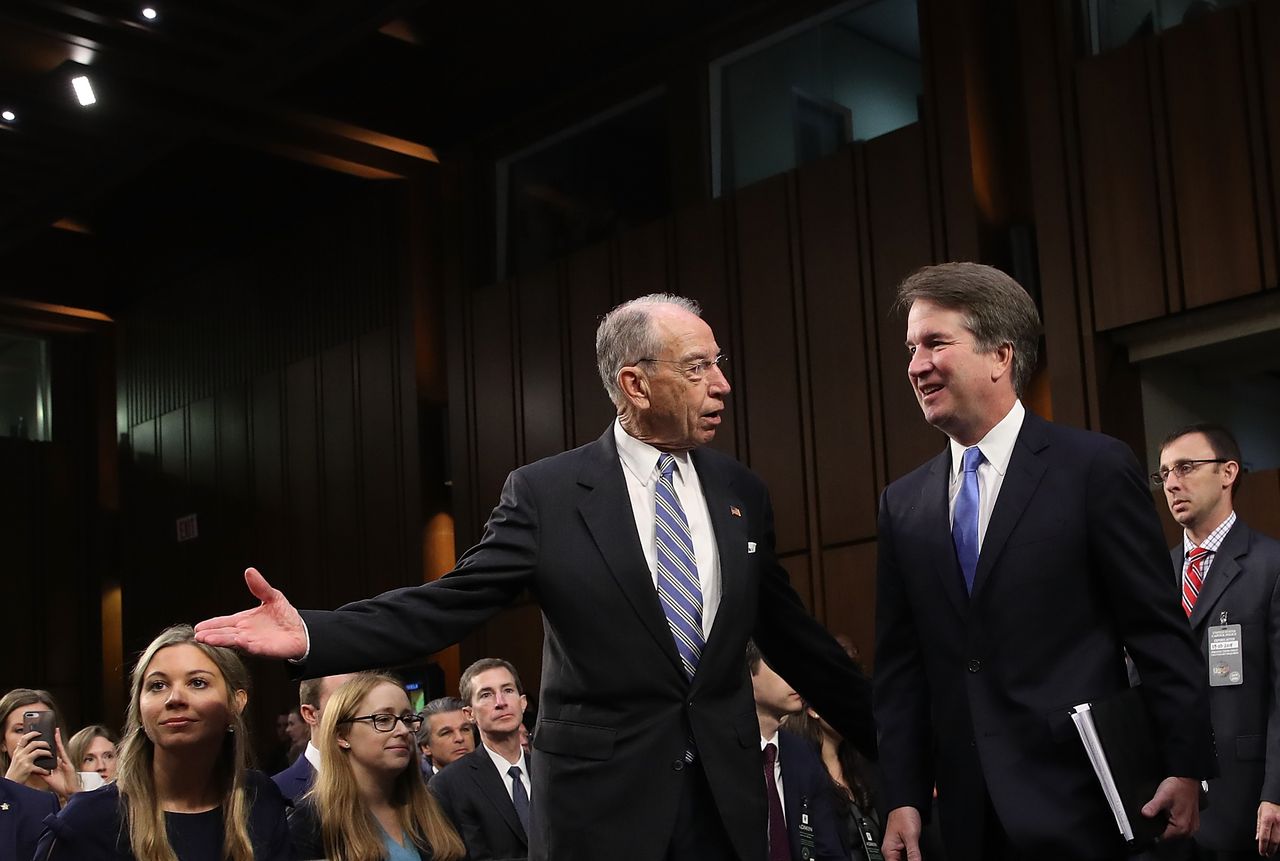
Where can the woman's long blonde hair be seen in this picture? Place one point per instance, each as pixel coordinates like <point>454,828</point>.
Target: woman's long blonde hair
<point>139,806</point>
<point>349,830</point>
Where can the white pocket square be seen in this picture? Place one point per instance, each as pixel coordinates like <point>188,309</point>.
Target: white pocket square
<point>751,547</point>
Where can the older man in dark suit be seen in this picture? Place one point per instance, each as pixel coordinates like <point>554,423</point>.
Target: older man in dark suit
<point>652,557</point>
<point>1230,580</point>
<point>1014,569</point>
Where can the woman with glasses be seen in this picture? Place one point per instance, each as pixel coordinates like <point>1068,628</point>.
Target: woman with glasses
<point>369,802</point>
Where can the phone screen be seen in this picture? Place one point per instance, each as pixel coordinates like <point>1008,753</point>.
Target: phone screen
<point>43,723</point>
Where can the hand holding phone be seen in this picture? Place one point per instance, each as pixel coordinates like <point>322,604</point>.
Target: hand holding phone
<point>43,723</point>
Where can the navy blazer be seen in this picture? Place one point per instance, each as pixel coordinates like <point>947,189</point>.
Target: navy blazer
<point>616,710</point>
<point>1244,583</point>
<point>806,788</point>
<point>295,780</point>
<point>474,797</point>
<point>22,810</point>
<point>973,691</point>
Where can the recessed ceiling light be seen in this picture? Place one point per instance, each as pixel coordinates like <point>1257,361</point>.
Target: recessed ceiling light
<point>149,13</point>
<point>84,90</point>
<point>8,116</point>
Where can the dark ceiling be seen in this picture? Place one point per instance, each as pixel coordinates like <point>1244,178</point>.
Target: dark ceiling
<point>218,113</point>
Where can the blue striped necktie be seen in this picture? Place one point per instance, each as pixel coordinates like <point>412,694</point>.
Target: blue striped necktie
<point>679,589</point>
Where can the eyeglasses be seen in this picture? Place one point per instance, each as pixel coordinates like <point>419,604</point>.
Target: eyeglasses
<point>386,722</point>
<point>695,371</point>
<point>1181,469</point>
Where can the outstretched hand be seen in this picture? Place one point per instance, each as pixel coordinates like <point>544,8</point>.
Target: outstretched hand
<point>273,629</point>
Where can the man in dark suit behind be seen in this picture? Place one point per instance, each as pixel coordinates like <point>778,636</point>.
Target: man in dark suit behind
<point>1229,575</point>
<point>486,795</point>
<point>313,695</point>
<point>652,558</point>
<point>1014,569</point>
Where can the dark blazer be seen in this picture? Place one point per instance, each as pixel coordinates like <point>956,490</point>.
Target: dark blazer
<point>295,780</point>
<point>474,797</point>
<point>22,810</point>
<point>973,692</point>
<point>1244,583</point>
<point>308,840</point>
<point>806,788</point>
<point>616,711</point>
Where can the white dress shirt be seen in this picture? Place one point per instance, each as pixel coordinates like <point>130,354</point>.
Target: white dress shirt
<point>997,450</point>
<point>1212,542</point>
<point>640,467</point>
<point>312,753</point>
<point>500,763</point>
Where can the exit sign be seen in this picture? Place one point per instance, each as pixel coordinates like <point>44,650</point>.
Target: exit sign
<point>187,528</point>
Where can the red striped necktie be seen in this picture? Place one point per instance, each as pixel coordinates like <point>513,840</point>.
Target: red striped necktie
<point>1193,578</point>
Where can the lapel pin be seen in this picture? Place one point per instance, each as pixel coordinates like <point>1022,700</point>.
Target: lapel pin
<point>735,511</point>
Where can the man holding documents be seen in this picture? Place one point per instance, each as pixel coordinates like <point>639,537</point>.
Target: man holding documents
<point>1014,569</point>
<point>1228,574</point>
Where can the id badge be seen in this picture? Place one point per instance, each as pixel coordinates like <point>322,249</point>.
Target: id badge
<point>1226,655</point>
<point>870,847</point>
<point>807,851</point>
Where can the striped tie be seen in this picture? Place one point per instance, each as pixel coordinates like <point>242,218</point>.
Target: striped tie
<point>678,586</point>
<point>1193,579</point>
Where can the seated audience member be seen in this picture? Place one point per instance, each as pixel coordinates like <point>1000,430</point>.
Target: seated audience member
<point>368,802</point>
<point>798,795</point>
<point>23,810</point>
<point>447,734</point>
<point>183,789</point>
<point>487,792</point>
<point>93,749</point>
<point>852,779</point>
<point>313,696</point>
<point>299,734</point>
<point>20,750</point>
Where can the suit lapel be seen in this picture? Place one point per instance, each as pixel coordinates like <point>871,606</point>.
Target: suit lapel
<point>934,528</point>
<point>731,545</point>
<point>606,509</point>
<point>1020,482</point>
<point>491,786</point>
<point>1222,572</point>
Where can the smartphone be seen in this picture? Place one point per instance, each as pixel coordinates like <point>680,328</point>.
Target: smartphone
<point>41,722</point>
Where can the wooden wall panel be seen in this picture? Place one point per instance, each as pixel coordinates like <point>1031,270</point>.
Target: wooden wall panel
<point>769,365</point>
<point>173,444</point>
<point>1212,168</point>
<point>1258,502</point>
<point>381,476</point>
<point>642,260</point>
<point>303,476</point>
<point>266,439</point>
<point>542,376</point>
<point>837,351</point>
<point>589,288</point>
<point>202,434</point>
<point>234,477</point>
<point>849,578</point>
<point>1121,198</point>
<point>1267,36</point>
<point>495,405</point>
<point>898,207</point>
<point>341,495</point>
<point>798,570</point>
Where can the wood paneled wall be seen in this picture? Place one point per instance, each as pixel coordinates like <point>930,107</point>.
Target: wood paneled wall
<point>272,395</point>
<point>796,275</point>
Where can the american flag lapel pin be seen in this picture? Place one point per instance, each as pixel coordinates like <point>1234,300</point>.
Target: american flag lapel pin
<point>735,511</point>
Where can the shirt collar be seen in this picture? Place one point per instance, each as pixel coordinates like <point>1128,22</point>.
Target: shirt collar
<point>1214,539</point>
<point>641,459</point>
<point>772,740</point>
<point>997,445</point>
<point>312,753</point>
<point>500,761</point>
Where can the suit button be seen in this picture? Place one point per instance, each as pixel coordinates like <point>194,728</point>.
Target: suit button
<point>678,765</point>
<point>975,665</point>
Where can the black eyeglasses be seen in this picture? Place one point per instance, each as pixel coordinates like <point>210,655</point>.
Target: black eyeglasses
<point>1181,469</point>
<point>695,371</point>
<point>386,722</point>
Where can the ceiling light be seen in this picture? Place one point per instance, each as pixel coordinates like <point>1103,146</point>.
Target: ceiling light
<point>149,13</point>
<point>8,116</point>
<point>84,91</point>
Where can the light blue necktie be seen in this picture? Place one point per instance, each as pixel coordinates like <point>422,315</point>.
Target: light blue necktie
<point>679,589</point>
<point>964,523</point>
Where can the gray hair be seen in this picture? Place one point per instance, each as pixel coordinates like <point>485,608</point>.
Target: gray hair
<point>996,309</point>
<point>438,706</point>
<point>625,336</point>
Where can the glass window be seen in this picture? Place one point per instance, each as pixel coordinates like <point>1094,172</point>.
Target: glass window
<point>851,75</point>
<point>24,387</point>
<point>1112,23</point>
<point>583,185</point>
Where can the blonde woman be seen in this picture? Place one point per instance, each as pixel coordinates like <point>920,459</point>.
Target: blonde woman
<point>94,749</point>
<point>369,802</point>
<point>182,791</point>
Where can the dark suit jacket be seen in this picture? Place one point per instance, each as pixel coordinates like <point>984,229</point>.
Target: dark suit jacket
<point>23,811</point>
<point>616,711</point>
<point>474,797</point>
<point>1244,583</point>
<point>973,691</point>
<point>806,788</point>
<point>295,780</point>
